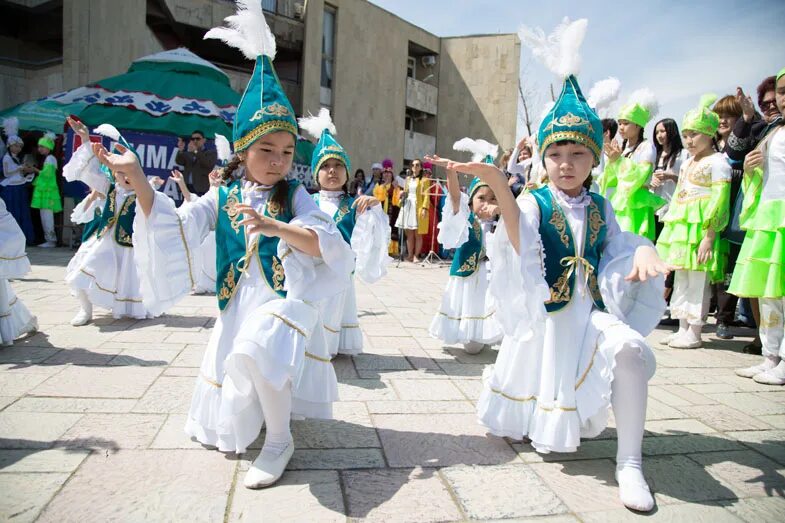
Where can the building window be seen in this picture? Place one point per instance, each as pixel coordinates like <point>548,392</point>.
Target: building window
<point>408,123</point>
<point>411,67</point>
<point>270,5</point>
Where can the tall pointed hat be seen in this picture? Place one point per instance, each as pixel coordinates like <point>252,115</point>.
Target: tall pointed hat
<point>322,128</point>
<point>702,119</point>
<point>641,107</point>
<point>482,151</point>
<point>571,118</point>
<point>264,108</point>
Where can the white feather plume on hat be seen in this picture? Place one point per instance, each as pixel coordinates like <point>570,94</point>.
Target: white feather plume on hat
<point>222,147</point>
<point>560,50</point>
<point>604,93</point>
<point>108,130</point>
<point>646,99</point>
<point>480,149</point>
<point>248,31</point>
<point>314,125</point>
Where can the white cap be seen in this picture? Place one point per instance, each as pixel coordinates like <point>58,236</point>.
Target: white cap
<point>376,165</point>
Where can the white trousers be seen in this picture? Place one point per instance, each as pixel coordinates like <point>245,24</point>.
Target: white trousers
<point>772,326</point>
<point>48,225</point>
<point>690,298</point>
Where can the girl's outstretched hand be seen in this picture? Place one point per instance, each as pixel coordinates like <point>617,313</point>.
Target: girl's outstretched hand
<point>124,163</point>
<point>216,178</point>
<point>255,223</point>
<point>647,264</point>
<point>364,202</point>
<point>484,171</point>
<point>437,160</point>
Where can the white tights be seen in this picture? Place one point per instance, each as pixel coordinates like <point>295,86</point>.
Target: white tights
<point>277,409</point>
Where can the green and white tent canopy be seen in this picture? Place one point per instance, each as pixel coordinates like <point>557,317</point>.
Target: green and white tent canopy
<point>172,92</point>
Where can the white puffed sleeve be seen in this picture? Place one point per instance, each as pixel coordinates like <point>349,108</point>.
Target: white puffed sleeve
<point>517,282</point>
<point>164,246</point>
<point>86,210</point>
<point>84,167</point>
<point>370,243</point>
<point>454,227</point>
<point>311,278</point>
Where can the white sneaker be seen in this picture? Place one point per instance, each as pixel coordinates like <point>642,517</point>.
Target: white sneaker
<point>48,245</point>
<point>634,492</point>
<point>685,342</point>
<point>669,338</point>
<point>753,371</point>
<point>266,469</point>
<point>473,347</point>
<point>775,376</point>
<point>82,317</point>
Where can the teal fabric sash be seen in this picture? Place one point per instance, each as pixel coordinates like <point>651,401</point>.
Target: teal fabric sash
<point>123,221</point>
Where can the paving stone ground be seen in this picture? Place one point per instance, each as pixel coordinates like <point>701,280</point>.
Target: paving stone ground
<point>91,428</point>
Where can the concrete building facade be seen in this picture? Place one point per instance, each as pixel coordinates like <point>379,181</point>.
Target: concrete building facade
<point>394,89</point>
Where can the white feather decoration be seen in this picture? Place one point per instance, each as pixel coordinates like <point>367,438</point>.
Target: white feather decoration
<point>560,50</point>
<point>646,99</point>
<point>604,93</point>
<point>248,31</point>
<point>480,149</point>
<point>11,126</point>
<point>108,130</point>
<point>222,147</point>
<point>314,125</point>
<point>50,135</point>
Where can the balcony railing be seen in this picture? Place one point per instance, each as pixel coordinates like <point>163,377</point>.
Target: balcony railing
<point>421,96</point>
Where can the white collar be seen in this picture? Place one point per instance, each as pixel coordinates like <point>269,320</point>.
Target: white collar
<point>582,200</point>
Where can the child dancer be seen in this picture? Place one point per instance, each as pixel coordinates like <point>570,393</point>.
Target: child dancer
<point>466,313</point>
<point>46,194</point>
<point>759,271</point>
<point>363,226</point>
<point>277,254</point>
<point>103,272</point>
<point>16,175</point>
<point>15,319</point>
<point>562,362</point>
<point>630,166</point>
<point>690,240</point>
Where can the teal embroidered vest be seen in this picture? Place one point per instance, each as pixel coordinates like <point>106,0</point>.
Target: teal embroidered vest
<point>345,217</point>
<point>467,257</point>
<point>232,253</point>
<point>561,260</point>
<point>123,222</point>
<point>91,227</point>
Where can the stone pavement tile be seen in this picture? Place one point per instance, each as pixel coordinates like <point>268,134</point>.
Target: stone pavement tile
<point>419,358</point>
<point>485,357</point>
<point>25,495</point>
<point>381,362</point>
<point>82,356</point>
<point>171,322</point>
<point>125,431</point>
<point>680,391</point>
<point>426,390</point>
<point>35,460</point>
<point>463,370</point>
<point>657,410</point>
<point>470,388</point>
<point>758,510</point>
<point>582,485</point>
<point>6,401</point>
<point>750,403</point>
<point>776,420</point>
<point>167,395</point>
<point>391,329</point>
<point>745,472</point>
<point>181,372</point>
<point>419,407</point>
<point>398,495</point>
<point>151,485</point>
<point>334,459</point>
<point>344,367</point>
<point>429,344</point>
<point>502,491</point>
<point>332,434</point>
<point>676,427</point>
<point>439,440</point>
<point>17,384</point>
<point>172,435</point>
<point>589,449</point>
<point>390,343</point>
<point>682,376</point>
<point>75,405</point>
<point>690,443</point>
<point>28,430</point>
<point>712,388</point>
<point>312,495</point>
<point>723,418</point>
<point>694,513</point>
<point>770,443</point>
<point>22,352</point>
<point>99,382</point>
<point>147,357</point>
<point>743,384</point>
<point>366,390</point>
<point>191,356</point>
<point>387,375</point>
<point>675,479</point>
<point>146,336</point>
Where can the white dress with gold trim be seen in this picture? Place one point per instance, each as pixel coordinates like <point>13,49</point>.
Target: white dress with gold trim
<point>15,318</point>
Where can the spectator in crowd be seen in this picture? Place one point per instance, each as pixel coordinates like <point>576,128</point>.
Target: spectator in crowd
<point>197,162</point>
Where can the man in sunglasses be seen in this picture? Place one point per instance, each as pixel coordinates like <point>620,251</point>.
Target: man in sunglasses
<point>197,162</point>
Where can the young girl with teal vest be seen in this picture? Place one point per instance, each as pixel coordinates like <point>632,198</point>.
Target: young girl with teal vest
<point>103,272</point>
<point>363,225</point>
<point>691,239</point>
<point>575,309</point>
<point>466,315</point>
<point>277,255</point>
<point>15,318</point>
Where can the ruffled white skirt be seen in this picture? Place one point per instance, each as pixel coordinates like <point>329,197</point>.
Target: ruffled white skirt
<point>15,318</point>
<point>107,272</point>
<point>555,388</point>
<point>467,311</point>
<point>259,336</point>
<point>204,266</point>
<point>407,218</point>
<point>341,324</point>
